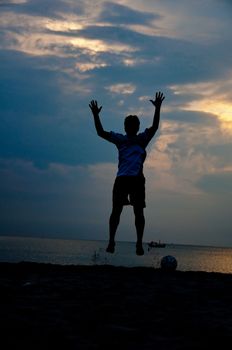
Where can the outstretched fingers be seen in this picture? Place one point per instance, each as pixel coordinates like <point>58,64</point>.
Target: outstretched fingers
<point>93,103</point>
<point>94,106</point>
<point>159,95</point>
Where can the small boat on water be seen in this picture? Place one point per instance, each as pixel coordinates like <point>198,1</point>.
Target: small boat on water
<point>153,244</point>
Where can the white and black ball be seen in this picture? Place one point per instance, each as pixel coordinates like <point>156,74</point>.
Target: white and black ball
<point>168,263</point>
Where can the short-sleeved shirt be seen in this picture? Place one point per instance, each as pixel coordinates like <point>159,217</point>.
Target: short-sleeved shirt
<point>132,153</point>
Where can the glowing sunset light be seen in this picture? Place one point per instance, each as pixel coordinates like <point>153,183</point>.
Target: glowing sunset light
<point>84,67</point>
<point>212,98</point>
<point>96,45</point>
<point>59,26</point>
<point>221,109</point>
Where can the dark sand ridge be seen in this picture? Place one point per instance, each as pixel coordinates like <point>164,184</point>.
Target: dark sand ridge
<point>44,306</point>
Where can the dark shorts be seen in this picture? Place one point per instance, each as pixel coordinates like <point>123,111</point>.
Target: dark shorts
<point>129,190</point>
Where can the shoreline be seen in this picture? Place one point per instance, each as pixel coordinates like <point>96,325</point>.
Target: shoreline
<point>105,306</point>
<point>44,266</point>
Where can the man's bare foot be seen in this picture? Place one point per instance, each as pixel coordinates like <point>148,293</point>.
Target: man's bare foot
<point>139,249</point>
<point>110,248</point>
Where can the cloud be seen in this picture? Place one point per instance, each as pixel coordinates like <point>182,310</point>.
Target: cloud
<point>217,183</point>
<point>222,150</point>
<point>182,154</point>
<point>43,7</point>
<point>123,89</point>
<point>114,13</point>
<point>212,97</point>
<point>75,37</point>
<point>174,112</point>
<point>9,2</point>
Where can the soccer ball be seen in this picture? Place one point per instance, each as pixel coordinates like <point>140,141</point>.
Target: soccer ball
<point>168,263</point>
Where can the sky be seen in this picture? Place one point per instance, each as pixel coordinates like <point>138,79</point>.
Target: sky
<point>56,174</point>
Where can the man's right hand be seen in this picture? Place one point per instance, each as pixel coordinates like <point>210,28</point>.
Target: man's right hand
<point>159,97</point>
<point>94,107</point>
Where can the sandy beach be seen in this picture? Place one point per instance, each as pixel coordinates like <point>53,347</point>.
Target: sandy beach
<point>104,307</point>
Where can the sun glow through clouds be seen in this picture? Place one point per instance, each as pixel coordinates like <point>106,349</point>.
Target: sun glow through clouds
<point>221,109</point>
<point>212,98</point>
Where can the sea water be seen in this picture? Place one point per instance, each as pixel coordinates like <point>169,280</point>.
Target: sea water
<point>81,252</point>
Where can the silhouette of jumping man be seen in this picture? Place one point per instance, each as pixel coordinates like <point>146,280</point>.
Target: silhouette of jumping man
<point>129,185</point>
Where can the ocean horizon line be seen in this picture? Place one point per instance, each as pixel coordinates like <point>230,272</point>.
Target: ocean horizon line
<point>70,238</point>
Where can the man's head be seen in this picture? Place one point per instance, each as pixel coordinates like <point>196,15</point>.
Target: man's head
<point>131,125</point>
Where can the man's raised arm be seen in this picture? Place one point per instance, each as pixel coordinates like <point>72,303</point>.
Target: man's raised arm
<point>98,125</point>
<point>159,97</point>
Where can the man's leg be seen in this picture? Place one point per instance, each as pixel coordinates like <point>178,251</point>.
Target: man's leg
<point>114,221</point>
<point>139,224</point>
